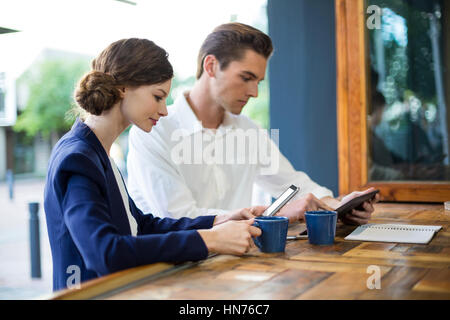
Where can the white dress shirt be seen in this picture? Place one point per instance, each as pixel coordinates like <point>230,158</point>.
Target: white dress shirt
<point>181,169</point>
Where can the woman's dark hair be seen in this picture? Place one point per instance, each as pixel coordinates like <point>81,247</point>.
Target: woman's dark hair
<point>378,101</point>
<point>129,63</point>
<point>229,41</point>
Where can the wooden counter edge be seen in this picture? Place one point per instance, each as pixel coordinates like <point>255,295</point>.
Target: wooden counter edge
<point>99,286</point>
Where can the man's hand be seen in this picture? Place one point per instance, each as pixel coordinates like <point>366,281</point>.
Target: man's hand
<point>295,210</point>
<point>364,213</point>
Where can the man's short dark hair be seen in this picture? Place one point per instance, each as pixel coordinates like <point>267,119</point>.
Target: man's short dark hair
<point>229,41</point>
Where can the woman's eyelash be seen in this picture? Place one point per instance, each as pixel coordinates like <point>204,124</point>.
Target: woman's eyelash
<point>158,99</point>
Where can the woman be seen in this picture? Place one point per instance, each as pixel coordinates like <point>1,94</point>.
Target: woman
<point>92,222</point>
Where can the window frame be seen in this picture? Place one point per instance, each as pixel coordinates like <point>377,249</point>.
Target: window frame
<point>352,92</point>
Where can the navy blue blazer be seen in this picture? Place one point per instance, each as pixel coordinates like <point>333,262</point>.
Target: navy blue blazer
<point>87,223</point>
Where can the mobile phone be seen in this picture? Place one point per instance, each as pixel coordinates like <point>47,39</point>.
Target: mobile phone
<point>281,201</point>
<point>355,202</point>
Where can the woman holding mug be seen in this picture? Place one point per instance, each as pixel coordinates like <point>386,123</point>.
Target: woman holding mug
<point>92,222</point>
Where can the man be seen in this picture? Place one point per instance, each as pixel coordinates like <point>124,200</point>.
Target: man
<point>187,165</point>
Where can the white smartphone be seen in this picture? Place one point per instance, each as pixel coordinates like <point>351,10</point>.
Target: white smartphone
<point>281,201</point>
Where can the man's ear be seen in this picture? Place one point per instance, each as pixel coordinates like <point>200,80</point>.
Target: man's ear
<point>210,65</point>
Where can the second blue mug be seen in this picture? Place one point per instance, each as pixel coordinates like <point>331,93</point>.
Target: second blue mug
<point>321,226</point>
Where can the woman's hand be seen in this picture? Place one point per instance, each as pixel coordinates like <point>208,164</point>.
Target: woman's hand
<point>295,210</point>
<point>231,237</point>
<point>240,214</point>
<point>247,213</point>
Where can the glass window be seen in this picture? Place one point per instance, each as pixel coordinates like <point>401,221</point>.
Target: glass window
<point>408,112</point>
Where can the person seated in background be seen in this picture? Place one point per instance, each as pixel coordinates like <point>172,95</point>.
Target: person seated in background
<point>93,224</point>
<point>422,161</point>
<point>381,159</point>
<point>231,63</point>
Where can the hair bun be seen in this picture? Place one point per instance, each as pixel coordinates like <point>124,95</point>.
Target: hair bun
<point>97,92</point>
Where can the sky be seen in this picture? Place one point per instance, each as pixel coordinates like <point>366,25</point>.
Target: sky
<point>88,26</point>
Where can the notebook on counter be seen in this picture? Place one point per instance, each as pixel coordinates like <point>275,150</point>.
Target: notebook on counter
<point>401,233</point>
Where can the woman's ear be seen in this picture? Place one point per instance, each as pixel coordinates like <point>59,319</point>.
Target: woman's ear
<point>122,92</point>
<point>210,63</point>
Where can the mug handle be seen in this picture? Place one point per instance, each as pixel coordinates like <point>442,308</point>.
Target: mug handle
<point>255,239</point>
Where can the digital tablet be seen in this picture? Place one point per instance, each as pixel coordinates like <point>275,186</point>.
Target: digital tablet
<point>355,203</point>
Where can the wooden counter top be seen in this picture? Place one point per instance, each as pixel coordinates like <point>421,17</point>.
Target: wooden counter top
<point>304,271</point>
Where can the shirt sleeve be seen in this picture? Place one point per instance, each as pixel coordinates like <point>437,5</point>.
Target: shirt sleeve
<point>154,182</point>
<point>103,248</point>
<point>276,174</point>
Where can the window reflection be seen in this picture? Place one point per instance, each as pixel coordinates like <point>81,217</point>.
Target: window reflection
<point>409,91</point>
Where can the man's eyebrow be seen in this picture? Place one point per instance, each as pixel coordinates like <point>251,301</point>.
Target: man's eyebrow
<point>165,93</point>
<point>251,74</point>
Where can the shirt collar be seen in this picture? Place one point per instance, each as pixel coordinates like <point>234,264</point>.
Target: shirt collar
<point>190,124</point>
<point>187,120</point>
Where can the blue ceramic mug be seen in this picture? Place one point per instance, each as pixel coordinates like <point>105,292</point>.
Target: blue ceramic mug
<point>274,233</point>
<point>321,226</point>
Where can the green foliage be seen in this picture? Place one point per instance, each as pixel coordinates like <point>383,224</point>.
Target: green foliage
<point>409,63</point>
<point>50,85</point>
